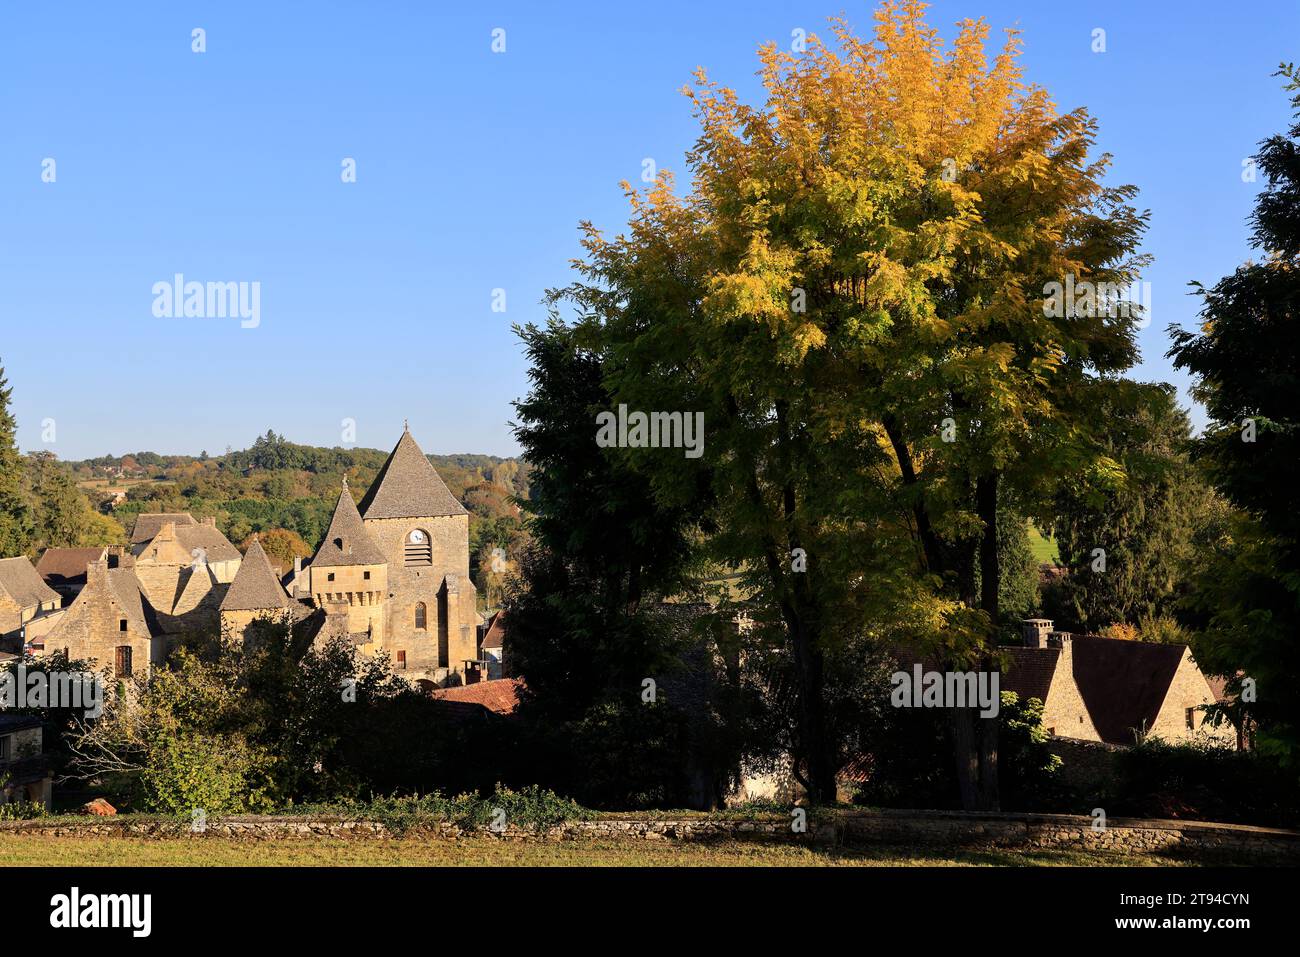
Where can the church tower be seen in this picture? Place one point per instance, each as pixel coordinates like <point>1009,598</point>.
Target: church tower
<point>422,532</point>
<point>348,575</point>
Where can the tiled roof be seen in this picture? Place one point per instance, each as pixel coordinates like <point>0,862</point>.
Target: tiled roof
<point>409,487</point>
<point>496,631</point>
<point>23,583</point>
<point>147,524</point>
<point>255,586</point>
<point>499,697</point>
<point>1123,683</point>
<point>216,547</point>
<point>346,527</point>
<point>1029,671</point>
<point>67,566</point>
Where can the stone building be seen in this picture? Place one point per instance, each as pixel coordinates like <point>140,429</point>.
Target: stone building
<point>110,624</point>
<point>1105,689</point>
<point>255,593</point>
<point>392,573</point>
<point>184,567</point>
<point>24,596</point>
<point>24,771</point>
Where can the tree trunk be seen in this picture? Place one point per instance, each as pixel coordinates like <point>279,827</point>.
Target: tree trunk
<point>986,503</point>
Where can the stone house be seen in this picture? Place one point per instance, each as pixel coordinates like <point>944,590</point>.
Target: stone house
<point>24,596</point>
<point>1109,690</point>
<point>184,567</point>
<point>111,624</point>
<point>24,773</point>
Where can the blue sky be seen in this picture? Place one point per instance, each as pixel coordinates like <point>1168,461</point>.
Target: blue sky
<point>473,170</point>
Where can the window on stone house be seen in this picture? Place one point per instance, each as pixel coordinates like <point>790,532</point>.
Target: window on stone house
<point>421,617</point>
<point>4,748</point>
<point>122,661</point>
<point>121,624</point>
<point>1191,719</point>
<point>401,659</point>
<point>329,577</point>
<point>366,575</point>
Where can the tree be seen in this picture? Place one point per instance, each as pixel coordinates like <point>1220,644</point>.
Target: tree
<point>1130,535</point>
<point>1246,360</point>
<point>15,517</point>
<point>281,545</point>
<point>852,296</point>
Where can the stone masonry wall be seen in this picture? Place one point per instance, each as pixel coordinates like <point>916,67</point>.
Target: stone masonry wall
<point>857,828</point>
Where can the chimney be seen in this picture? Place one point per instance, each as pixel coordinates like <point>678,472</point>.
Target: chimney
<point>97,574</point>
<point>167,533</point>
<point>210,520</point>
<point>1059,639</point>
<point>1036,631</point>
<point>297,565</point>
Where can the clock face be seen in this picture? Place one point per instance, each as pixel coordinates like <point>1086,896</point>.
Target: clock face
<point>417,536</point>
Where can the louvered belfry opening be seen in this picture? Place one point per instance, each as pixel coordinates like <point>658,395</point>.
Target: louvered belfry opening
<point>418,549</point>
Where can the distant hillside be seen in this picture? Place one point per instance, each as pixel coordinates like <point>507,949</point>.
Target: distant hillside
<point>278,484</point>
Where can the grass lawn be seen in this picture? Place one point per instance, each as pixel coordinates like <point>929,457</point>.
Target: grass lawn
<point>1043,548</point>
<point>34,850</point>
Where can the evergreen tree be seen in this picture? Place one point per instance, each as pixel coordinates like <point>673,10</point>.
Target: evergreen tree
<point>1246,359</point>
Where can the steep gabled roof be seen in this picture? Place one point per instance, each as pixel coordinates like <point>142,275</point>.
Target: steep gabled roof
<point>346,527</point>
<point>216,547</point>
<point>126,589</point>
<point>1029,671</point>
<point>23,583</point>
<point>67,566</point>
<point>409,487</point>
<point>255,587</point>
<point>496,633</point>
<point>1123,683</point>
<point>147,524</point>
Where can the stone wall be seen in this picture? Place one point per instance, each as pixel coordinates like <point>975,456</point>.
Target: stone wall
<point>852,828</point>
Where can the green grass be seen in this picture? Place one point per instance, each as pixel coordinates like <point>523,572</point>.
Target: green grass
<point>416,850</point>
<point>1044,548</point>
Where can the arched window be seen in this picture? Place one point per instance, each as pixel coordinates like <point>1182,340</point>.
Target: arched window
<point>421,617</point>
<point>418,549</point>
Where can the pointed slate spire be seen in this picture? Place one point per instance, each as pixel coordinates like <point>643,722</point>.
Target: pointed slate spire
<point>409,487</point>
<point>255,587</point>
<point>347,542</point>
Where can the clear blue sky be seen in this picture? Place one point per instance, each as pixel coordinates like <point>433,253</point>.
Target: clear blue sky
<point>474,169</point>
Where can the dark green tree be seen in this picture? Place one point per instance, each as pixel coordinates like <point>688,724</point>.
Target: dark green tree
<point>1246,360</point>
<point>15,516</point>
<point>1143,507</point>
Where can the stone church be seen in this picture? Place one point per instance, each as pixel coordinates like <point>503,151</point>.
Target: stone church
<point>392,573</point>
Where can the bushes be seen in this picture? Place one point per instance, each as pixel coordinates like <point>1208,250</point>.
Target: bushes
<point>531,808</point>
<point>1204,782</point>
